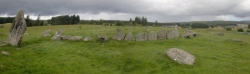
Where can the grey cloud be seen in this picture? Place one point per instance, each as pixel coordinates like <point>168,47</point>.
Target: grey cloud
<point>163,10</point>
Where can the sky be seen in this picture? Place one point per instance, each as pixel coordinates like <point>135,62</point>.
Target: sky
<point>160,10</point>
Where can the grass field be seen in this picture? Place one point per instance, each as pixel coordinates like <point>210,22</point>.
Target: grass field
<point>38,55</point>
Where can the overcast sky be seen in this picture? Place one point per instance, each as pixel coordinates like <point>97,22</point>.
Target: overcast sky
<point>160,10</point>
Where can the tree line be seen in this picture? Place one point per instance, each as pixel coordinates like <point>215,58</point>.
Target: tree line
<point>138,21</point>
<point>64,20</point>
<point>6,20</point>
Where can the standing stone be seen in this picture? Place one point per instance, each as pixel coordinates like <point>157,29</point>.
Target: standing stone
<point>176,33</point>
<point>170,34</point>
<point>119,35</point>
<point>152,36</point>
<point>47,33</point>
<point>129,37</point>
<point>162,34</point>
<point>141,37</point>
<point>17,30</point>
<point>102,36</point>
<point>57,36</point>
<point>180,56</point>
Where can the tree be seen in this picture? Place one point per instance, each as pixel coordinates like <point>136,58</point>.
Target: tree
<point>249,26</point>
<point>119,23</point>
<point>37,22</point>
<point>28,21</point>
<point>156,23</point>
<point>144,21</point>
<point>130,20</point>
<point>100,22</point>
<point>65,20</point>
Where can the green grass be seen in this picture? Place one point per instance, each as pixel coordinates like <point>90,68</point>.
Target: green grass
<point>38,55</point>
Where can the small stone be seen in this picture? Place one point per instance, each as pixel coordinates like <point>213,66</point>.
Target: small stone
<point>237,40</point>
<point>47,33</point>
<point>87,39</point>
<point>5,53</point>
<point>220,34</point>
<point>26,34</point>
<point>2,43</point>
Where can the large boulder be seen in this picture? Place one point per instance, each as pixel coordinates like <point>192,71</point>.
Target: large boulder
<point>47,33</point>
<point>17,30</point>
<point>119,35</point>
<point>152,35</point>
<point>141,37</point>
<point>57,35</point>
<point>129,37</point>
<point>180,56</point>
<point>162,34</point>
<point>170,34</point>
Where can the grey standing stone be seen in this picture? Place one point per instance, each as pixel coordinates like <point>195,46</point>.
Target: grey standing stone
<point>119,35</point>
<point>100,36</point>
<point>47,33</point>
<point>176,33</point>
<point>180,56</point>
<point>129,37</point>
<point>17,30</point>
<point>57,35</point>
<point>170,34</point>
<point>141,37</point>
<point>162,34</point>
<point>152,36</point>
<point>189,33</point>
